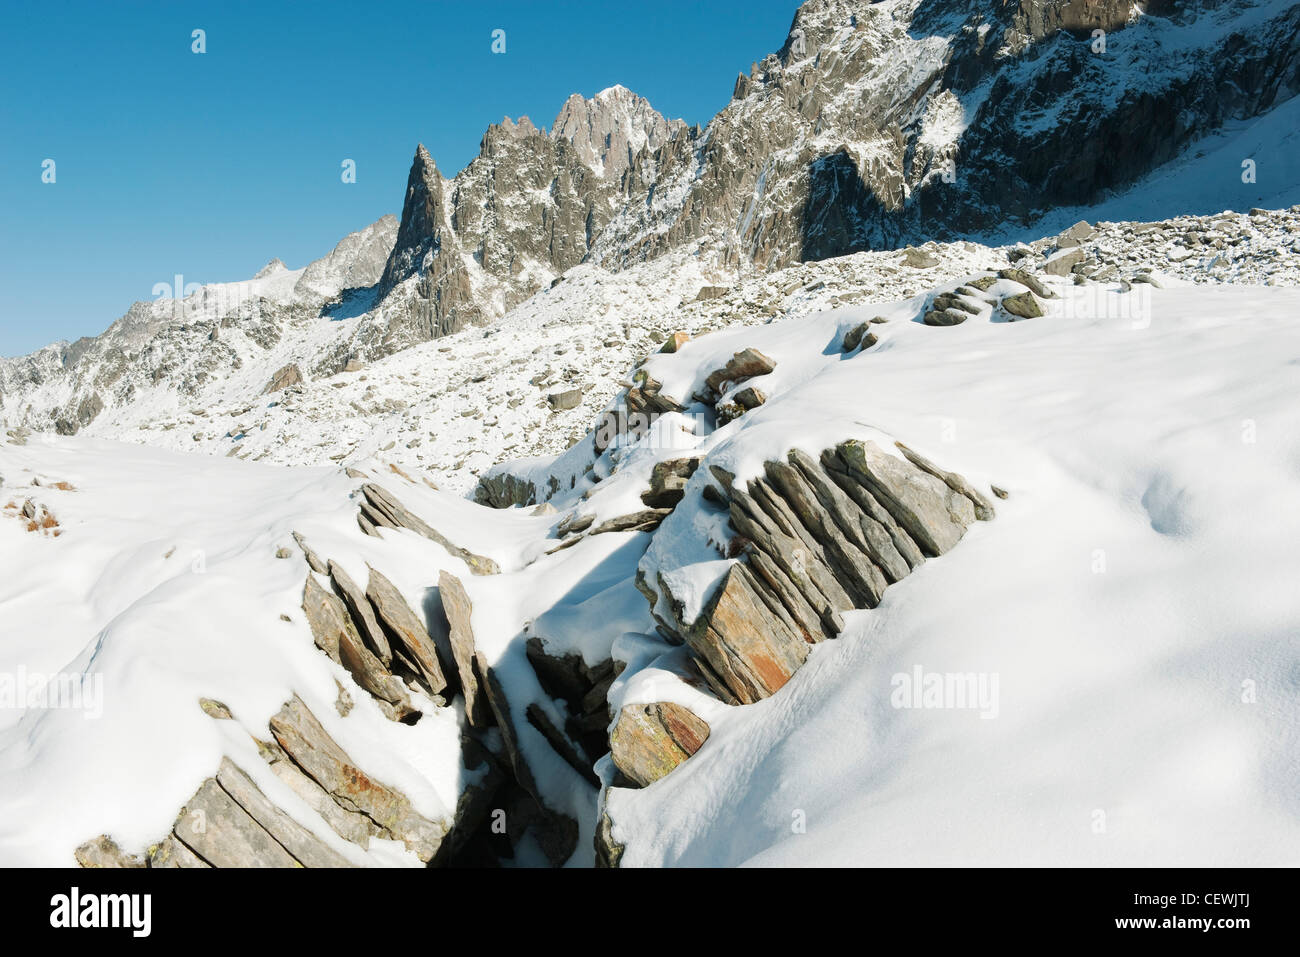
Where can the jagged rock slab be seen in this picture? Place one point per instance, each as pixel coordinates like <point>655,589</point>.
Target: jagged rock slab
<point>363,615</point>
<point>313,560</point>
<point>459,610</point>
<point>303,738</point>
<point>751,662</point>
<point>347,823</point>
<point>867,534</point>
<point>984,510</point>
<point>642,521</point>
<point>934,515</point>
<point>335,634</point>
<point>306,847</point>
<point>406,628</point>
<point>217,829</point>
<point>388,506</point>
<point>283,378</point>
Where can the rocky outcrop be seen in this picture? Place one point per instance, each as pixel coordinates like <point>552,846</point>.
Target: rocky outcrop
<point>230,821</point>
<point>283,378</point>
<point>814,539</point>
<point>827,148</point>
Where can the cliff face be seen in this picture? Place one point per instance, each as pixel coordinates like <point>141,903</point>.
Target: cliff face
<point>522,212</point>
<point>880,124</point>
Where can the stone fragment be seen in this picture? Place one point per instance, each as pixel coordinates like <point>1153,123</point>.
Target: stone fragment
<point>104,852</point>
<point>1024,305</point>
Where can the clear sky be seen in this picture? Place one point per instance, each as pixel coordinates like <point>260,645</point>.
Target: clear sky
<point>208,165</point>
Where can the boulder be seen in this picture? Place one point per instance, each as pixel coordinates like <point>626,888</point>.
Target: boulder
<point>283,378</point>
<point>1079,231</point>
<point>651,740</point>
<point>668,481</point>
<point>859,335</point>
<point>745,364</point>
<point>1028,280</point>
<point>1062,262</point>
<point>561,401</point>
<point>1025,305</point>
<point>919,258</point>
<point>675,342</point>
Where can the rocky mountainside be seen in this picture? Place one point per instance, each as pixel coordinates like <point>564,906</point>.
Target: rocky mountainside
<point>526,209</point>
<point>878,124</point>
<point>875,125</point>
<point>193,341</point>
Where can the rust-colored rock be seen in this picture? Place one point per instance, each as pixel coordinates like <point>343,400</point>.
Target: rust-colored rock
<point>650,740</point>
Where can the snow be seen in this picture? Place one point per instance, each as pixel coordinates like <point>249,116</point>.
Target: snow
<point>1130,597</point>
<point>162,587</point>
<point>1135,585</point>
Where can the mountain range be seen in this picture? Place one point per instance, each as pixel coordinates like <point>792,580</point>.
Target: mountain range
<point>873,126</point>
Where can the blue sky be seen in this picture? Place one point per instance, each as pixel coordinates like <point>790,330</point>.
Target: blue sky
<point>209,165</point>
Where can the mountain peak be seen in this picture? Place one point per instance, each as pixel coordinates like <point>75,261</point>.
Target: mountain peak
<point>609,129</point>
<point>270,269</point>
<point>422,214</point>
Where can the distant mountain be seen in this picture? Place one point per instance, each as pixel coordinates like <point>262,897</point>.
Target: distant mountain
<point>875,125</point>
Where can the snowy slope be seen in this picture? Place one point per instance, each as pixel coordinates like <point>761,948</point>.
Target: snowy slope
<point>160,583</point>
<point>1132,601</point>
